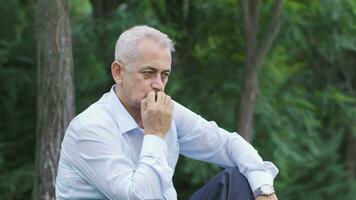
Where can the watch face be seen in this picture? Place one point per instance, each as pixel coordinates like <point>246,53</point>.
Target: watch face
<point>267,189</point>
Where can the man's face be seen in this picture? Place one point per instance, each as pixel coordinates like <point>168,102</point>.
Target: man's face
<point>149,73</point>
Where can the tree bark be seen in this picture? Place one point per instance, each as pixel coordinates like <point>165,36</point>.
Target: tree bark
<point>351,154</point>
<point>255,55</point>
<point>55,90</point>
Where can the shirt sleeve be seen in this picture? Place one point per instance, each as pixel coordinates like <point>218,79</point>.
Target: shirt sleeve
<point>99,157</point>
<point>203,140</point>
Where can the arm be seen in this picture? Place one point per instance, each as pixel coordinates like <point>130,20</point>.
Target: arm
<point>99,157</point>
<point>203,140</point>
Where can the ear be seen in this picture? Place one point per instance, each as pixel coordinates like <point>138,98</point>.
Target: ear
<point>116,71</point>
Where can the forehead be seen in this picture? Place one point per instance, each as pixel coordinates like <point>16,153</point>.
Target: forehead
<point>153,55</point>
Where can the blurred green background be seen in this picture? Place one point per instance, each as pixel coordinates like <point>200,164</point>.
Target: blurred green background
<point>305,117</point>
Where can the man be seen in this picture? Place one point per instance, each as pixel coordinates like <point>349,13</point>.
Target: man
<point>126,145</point>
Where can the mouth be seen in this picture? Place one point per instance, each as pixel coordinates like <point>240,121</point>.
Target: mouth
<point>155,94</point>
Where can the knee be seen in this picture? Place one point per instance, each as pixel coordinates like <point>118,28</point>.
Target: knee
<point>235,175</point>
<point>233,171</point>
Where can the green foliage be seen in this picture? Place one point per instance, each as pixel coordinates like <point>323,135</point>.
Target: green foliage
<point>304,136</point>
<point>17,100</point>
<point>19,182</point>
<point>306,104</point>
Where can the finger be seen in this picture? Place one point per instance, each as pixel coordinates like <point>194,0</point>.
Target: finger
<point>144,104</point>
<point>167,99</point>
<point>160,98</point>
<point>171,105</point>
<point>150,98</point>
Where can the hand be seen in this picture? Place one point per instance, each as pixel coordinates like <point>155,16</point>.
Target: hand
<point>156,114</point>
<point>272,197</point>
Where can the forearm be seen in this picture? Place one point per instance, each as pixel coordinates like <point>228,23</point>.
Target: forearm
<point>152,177</point>
<point>251,165</point>
<point>116,176</point>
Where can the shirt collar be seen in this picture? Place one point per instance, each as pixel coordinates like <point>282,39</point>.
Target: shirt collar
<point>121,116</point>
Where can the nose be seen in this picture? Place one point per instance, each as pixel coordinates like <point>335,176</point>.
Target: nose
<point>157,83</point>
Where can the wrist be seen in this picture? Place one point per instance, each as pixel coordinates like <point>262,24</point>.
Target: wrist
<point>264,190</point>
<point>162,136</point>
<point>154,147</point>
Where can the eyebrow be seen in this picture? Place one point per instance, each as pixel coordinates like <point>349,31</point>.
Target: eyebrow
<point>153,69</point>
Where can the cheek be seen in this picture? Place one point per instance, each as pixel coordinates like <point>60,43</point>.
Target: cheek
<point>142,88</point>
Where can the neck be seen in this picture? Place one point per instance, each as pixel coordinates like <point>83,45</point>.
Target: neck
<point>135,112</point>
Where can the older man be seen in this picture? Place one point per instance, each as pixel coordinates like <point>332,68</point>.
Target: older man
<point>126,145</point>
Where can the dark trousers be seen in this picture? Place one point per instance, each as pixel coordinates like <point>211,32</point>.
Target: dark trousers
<point>229,184</point>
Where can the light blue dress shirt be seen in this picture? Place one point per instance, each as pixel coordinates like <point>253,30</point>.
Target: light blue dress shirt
<point>105,155</point>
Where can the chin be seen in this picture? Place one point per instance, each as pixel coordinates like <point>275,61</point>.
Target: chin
<point>138,104</point>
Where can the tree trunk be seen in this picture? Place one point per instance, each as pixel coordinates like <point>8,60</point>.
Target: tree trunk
<point>248,103</point>
<point>55,90</point>
<point>351,154</point>
<point>254,57</point>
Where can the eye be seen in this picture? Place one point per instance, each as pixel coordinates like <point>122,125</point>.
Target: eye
<point>147,73</point>
<point>165,75</point>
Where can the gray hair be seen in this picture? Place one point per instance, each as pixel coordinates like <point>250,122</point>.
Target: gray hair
<point>126,45</point>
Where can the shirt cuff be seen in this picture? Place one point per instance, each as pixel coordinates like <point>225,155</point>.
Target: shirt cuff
<point>258,178</point>
<point>154,146</point>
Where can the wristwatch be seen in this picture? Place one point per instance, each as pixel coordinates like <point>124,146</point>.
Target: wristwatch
<point>264,190</point>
